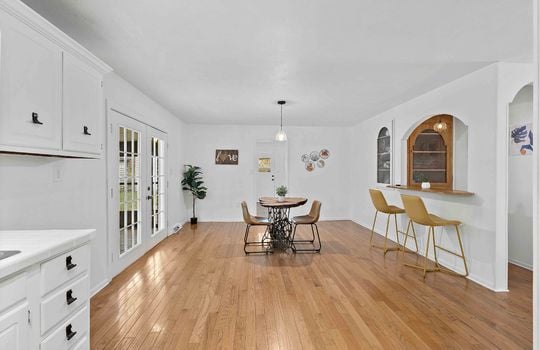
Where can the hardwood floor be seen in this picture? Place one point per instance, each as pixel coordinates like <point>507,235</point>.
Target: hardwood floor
<point>197,290</point>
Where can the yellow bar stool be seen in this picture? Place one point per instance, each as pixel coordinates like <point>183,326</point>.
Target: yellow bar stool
<point>380,204</point>
<point>417,212</point>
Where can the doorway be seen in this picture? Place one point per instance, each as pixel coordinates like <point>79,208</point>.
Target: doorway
<point>136,163</point>
<point>270,170</point>
<point>520,180</point>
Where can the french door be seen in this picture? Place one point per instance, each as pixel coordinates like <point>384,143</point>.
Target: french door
<point>137,183</point>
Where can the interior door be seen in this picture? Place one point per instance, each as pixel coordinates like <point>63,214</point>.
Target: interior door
<point>270,170</point>
<point>137,176</point>
<point>156,188</point>
<point>127,169</point>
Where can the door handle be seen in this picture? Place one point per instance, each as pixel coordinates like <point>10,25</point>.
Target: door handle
<point>148,197</point>
<point>35,119</point>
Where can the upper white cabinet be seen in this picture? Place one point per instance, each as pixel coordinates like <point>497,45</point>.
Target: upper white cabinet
<point>51,96</point>
<point>82,107</point>
<point>31,87</point>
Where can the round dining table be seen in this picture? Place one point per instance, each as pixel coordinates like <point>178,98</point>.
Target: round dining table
<point>278,213</point>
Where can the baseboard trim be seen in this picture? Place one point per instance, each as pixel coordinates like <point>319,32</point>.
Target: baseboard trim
<point>472,277</point>
<point>520,264</point>
<point>99,287</point>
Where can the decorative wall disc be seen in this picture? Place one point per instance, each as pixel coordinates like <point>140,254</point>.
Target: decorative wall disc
<point>314,156</point>
<point>320,163</point>
<point>310,167</point>
<point>324,153</point>
<point>305,158</point>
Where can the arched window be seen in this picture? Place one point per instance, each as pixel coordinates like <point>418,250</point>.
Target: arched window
<point>430,153</point>
<point>384,149</point>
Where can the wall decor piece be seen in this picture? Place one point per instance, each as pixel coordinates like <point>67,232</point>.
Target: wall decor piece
<point>227,156</point>
<point>521,139</point>
<point>315,159</point>
<point>324,153</point>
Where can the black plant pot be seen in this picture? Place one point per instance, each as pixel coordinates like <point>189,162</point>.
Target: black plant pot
<point>194,221</point>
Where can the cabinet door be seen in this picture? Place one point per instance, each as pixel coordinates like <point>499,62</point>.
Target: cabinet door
<point>14,328</point>
<point>30,87</point>
<point>83,107</point>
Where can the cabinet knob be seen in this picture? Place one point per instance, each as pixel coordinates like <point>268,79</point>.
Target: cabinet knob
<point>35,119</point>
<point>85,130</point>
<point>70,333</point>
<point>69,297</point>
<point>148,197</point>
<point>69,264</point>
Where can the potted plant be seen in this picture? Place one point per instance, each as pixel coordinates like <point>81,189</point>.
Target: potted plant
<point>423,180</point>
<point>193,183</point>
<point>281,191</point>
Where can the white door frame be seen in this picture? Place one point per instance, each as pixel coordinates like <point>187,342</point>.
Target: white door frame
<point>147,241</point>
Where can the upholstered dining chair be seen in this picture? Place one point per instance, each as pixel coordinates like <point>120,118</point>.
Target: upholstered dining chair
<point>310,219</point>
<point>417,212</point>
<point>381,206</point>
<point>251,220</point>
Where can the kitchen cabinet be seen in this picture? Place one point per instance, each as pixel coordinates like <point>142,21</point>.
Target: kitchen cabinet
<point>51,98</point>
<point>30,87</point>
<point>82,107</point>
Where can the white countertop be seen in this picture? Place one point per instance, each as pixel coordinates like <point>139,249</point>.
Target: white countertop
<point>38,245</point>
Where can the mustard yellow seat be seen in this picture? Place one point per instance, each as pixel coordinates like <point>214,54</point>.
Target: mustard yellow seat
<point>310,219</point>
<point>251,220</point>
<point>380,204</point>
<point>417,212</point>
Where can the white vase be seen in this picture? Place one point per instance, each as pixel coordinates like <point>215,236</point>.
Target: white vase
<point>426,185</point>
<point>281,198</point>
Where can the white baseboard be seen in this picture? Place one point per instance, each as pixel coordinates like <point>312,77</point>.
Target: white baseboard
<point>99,287</point>
<point>472,277</point>
<point>520,264</point>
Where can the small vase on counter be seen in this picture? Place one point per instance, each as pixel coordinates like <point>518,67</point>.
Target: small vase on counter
<point>426,185</point>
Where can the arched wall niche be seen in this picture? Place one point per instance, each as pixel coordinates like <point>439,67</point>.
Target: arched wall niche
<point>458,152</point>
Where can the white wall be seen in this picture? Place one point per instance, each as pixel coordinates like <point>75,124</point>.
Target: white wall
<point>520,237</point>
<point>228,185</point>
<point>472,99</point>
<point>31,198</point>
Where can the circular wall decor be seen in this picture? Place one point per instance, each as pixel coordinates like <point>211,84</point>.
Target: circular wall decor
<point>320,163</point>
<point>310,167</point>
<point>324,153</point>
<point>305,158</point>
<point>314,156</point>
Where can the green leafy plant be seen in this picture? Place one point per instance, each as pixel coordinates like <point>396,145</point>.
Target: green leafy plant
<point>281,191</point>
<point>421,178</point>
<point>194,183</point>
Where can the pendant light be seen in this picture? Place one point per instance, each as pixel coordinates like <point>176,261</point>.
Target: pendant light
<point>280,135</point>
<point>440,126</point>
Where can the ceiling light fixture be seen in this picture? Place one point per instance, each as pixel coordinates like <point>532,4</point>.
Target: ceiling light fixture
<point>440,126</point>
<point>280,135</point>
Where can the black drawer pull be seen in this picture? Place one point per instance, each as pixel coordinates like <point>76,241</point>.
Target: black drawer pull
<point>85,130</point>
<point>69,297</point>
<point>35,119</point>
<point>69,264</point>
<point>69,332</point>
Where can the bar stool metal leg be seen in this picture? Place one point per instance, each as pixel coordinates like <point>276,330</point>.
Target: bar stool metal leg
<point>373,228</point>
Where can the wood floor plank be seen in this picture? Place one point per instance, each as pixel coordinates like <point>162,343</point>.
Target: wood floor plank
<point>197,290</point>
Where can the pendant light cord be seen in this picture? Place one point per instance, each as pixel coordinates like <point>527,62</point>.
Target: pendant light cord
<point>281,122</point>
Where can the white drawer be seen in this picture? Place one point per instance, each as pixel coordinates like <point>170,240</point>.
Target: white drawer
<point>82,345</point>
<point>63,268</point>
<point>76,327</point>
<point>59,305</point>
<point>12,291</point>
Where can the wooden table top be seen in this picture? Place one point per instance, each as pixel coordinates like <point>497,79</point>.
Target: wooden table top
<point>432,190</point>
<point>290,202</point>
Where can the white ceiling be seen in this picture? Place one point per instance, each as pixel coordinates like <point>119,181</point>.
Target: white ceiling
<point>337,62</point>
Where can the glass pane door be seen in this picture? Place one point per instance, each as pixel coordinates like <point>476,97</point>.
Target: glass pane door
<point>129,182</point>
<point>157,175</point>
